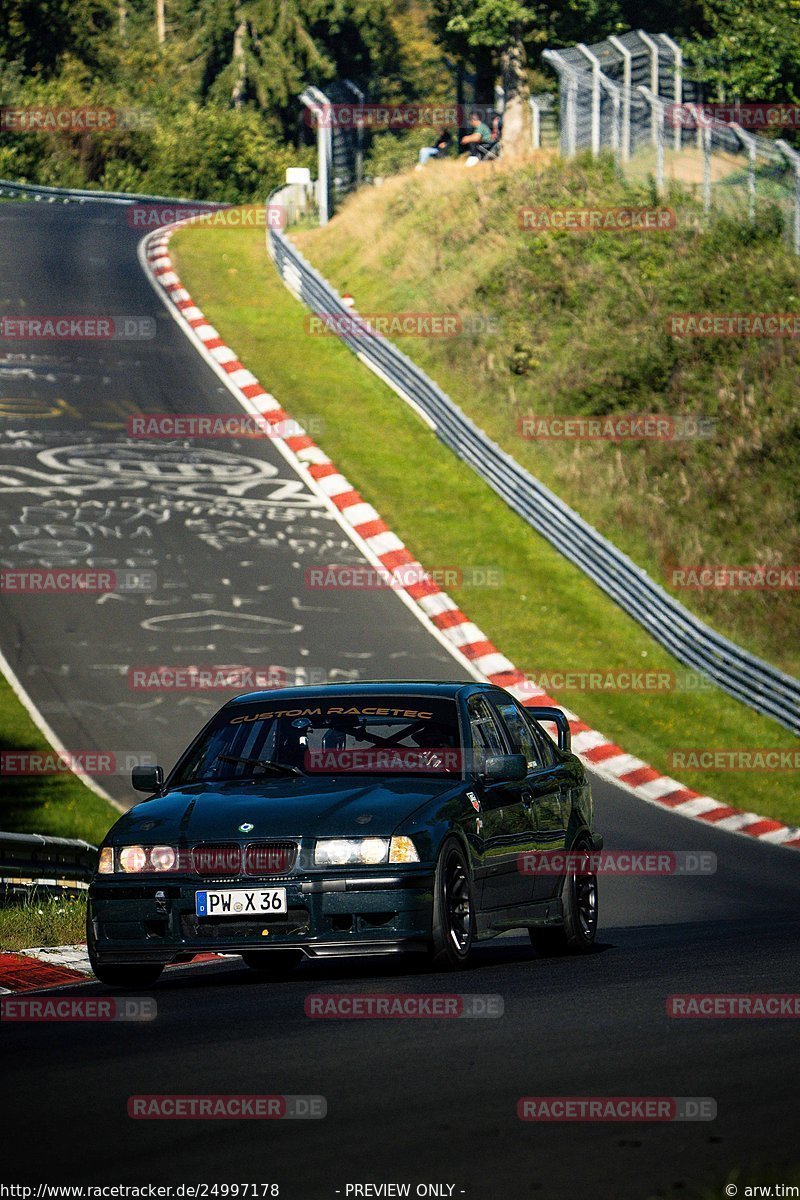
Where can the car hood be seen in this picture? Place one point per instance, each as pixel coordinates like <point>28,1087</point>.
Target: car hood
<point>292,807</point>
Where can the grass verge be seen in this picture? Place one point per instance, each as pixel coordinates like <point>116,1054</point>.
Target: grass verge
<point>577,325</point>
<point>543,614</point>
<point>43,923</point>
<point>56,805</point>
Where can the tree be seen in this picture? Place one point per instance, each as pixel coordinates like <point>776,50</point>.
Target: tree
<point>513,31</point>
<point>498,26</point>
<point>752,51</point>
<point>264,52</point>
<point>37,34</point>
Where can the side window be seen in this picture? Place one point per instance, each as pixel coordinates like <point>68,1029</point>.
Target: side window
<point>520,733</point>
<point>542,740</point>
<point>486,735</point>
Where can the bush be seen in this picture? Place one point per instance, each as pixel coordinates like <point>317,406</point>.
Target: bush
<point>391,153</point>
<point>201,152</point>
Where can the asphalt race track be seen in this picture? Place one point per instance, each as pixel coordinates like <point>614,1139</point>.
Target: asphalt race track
<point>226,528</point>
<point>228,532</point>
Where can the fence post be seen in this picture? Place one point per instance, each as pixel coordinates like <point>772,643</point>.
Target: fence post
<point>359,134</point>
<point>657,109</point>
<point>586,52</point>
<point>622,49</point>
<point>677,85</point>
<point>707,166</point>
<point>794,160</point>
<point>317,102</point>
<point>568,101</point>
<point>536,123</point>
<point>615,92</point>
<point>749,143</point>
<point>572,116</point>
<point>654,81</point>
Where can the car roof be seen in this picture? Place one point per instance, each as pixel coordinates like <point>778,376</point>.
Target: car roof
<point>446,689</point>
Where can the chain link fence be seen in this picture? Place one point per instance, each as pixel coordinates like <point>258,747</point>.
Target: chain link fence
<point>630,95</point>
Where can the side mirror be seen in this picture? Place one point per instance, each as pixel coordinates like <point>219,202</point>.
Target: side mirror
<point>147,779</point>
<point>505,768</point>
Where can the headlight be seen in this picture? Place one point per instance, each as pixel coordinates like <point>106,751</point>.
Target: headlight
<point>402,850</point>
<point>132,858</point>
<point>342,852</point>
<point>162,858</point>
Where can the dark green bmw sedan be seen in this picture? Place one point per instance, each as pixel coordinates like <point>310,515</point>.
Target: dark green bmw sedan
<point>351,819</point>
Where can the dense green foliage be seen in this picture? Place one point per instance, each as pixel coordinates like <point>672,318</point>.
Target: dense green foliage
<point>213,88</point>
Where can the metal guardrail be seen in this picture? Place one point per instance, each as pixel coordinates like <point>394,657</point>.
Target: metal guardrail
<point>32,861</point>
<point>743,675</point>
<point>81,195</point>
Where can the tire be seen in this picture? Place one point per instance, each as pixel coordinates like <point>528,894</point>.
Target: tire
<point>123,975</point>
<point>453,927</point>
<point>577,934</point>
<point>273,964</point>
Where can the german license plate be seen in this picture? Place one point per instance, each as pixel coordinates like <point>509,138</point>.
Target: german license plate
<point>240,902</point>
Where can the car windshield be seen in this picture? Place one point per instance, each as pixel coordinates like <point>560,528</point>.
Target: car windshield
<point>336,735</point>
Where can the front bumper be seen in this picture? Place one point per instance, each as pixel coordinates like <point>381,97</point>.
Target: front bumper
<point>338,914</point>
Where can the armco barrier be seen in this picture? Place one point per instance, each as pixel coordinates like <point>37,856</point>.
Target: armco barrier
<point>741,674</point>
<point>30,861</point>
<point>39,192</point>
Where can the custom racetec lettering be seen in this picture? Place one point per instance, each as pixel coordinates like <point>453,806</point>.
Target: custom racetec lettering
<point>362,711</point>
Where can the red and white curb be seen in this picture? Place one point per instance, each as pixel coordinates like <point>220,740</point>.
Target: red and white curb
<point>58,966</point>
<point>43,967</point>
<point>434,607</point>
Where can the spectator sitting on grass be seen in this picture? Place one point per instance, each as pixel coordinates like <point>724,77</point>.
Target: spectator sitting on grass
<point>439,148</point>
<point>481,134</point>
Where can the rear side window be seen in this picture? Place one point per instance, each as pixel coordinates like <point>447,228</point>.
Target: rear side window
<point>542,740</point>
<point>487,737</point>
<point>520,733</point>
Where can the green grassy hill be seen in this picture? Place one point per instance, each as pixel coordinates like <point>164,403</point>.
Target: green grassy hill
<point>575,324</point>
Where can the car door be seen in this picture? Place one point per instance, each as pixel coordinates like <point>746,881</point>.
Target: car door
<point>543,791</point>
<point>505,821</point>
